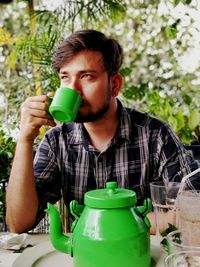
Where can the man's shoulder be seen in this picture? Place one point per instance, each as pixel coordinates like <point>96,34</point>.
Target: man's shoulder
<point>143,119</point>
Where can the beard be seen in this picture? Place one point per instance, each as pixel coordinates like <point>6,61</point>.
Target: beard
<point>93,116</point>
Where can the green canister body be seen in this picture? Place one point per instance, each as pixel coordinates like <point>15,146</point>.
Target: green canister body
<point>110,238</point>
<point>108,231</point>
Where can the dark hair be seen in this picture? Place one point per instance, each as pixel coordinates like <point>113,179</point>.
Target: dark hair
<point>89,40</point>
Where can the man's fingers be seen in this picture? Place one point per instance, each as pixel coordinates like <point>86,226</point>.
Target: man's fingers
<point>40,98</point>
<point>37,105</point>
<point>35,122</point>
<point>51,94</point>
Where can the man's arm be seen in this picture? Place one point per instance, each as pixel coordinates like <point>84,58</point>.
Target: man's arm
<point>21,196</point>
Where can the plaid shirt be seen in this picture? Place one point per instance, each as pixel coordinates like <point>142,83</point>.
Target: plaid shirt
<point>144,149</point>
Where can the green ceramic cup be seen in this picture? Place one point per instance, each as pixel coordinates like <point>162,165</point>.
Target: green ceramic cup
<point>65,104</point>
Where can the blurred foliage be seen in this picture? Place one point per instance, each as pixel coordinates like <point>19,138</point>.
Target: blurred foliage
<point>158,38</point>
<point>7,146</point>
<point>156,35</point>
<point>162,74</point>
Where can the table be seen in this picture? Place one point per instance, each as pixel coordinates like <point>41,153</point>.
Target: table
<point>7,257</point>
<point>41,245</point>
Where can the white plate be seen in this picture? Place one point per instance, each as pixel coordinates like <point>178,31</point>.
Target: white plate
<point>44,255</point>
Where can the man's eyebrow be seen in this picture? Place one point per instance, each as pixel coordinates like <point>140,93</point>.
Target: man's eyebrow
<point>80,71</point>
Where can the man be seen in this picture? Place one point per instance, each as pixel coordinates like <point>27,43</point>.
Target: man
<point>108,142</point>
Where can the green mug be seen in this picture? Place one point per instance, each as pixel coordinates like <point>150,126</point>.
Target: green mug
<point>65,104</point>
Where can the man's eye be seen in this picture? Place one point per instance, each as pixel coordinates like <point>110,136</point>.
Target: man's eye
<point>86,76</point>
<point>64,78</point>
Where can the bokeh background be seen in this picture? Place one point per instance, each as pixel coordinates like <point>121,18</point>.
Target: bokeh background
<point>161,40</point>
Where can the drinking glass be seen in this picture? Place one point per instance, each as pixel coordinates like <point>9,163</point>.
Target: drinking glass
<point>175,243</point>
<point>183,259</point>
<point>188,206</point>
<point>163,199</point>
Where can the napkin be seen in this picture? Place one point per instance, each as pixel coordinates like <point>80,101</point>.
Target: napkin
<point>13,241</point>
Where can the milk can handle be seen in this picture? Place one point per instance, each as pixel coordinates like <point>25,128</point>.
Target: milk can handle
<point>144,210</point>
<point>76,210</point>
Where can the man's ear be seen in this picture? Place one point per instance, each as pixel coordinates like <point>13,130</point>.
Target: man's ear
<point>117,82</point>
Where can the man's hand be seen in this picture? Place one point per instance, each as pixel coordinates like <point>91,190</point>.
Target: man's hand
<point>34,114</point>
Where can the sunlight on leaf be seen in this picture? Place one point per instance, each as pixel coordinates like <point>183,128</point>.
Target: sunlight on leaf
<point>194,119</point>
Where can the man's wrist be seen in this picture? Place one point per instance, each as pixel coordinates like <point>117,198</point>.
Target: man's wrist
<point>24,140</point>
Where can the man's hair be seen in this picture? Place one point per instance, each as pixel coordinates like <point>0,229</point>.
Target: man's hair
<point>91,40</point>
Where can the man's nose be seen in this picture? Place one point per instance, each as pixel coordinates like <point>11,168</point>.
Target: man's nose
<point>76,85</point>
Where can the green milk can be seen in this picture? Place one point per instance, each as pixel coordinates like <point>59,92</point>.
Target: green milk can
<point>110,231</point>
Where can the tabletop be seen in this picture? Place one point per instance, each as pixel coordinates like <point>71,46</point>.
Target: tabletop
<point>41,245</point>
<point>7,257</point>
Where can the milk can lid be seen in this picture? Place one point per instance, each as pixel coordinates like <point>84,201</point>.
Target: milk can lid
<point>110,197</point>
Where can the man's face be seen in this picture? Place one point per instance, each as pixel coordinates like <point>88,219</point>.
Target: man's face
<point>86,74</point>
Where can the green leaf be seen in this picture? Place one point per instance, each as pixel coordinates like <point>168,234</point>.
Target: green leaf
<point>130,92</point>
<point>170,229</point>
<point>187,99</point>
<point>13,58</point>
<point>176,2</point>
<point>188,2</point>
<point>171,32</point>
<point>125,71</point>
<point>194,119</point>
<point>180,119</point>
<point>172,122</point>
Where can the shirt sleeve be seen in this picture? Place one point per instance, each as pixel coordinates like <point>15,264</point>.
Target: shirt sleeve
<point>47,175</point>
<point>173,161</point>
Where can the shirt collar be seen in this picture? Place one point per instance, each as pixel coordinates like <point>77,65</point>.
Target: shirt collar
<point>124,128</point>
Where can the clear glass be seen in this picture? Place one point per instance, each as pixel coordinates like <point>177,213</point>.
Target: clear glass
<point>164,205</point>
<point>188,208</point>
<point>183,259</point>
<point>175,243</point>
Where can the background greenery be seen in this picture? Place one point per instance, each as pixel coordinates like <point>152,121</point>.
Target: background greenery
<point>156,36</point>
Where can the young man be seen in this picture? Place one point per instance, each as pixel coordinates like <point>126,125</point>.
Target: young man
<point>108,142</point>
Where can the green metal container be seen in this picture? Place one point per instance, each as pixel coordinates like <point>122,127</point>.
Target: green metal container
<point>111,230</point>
